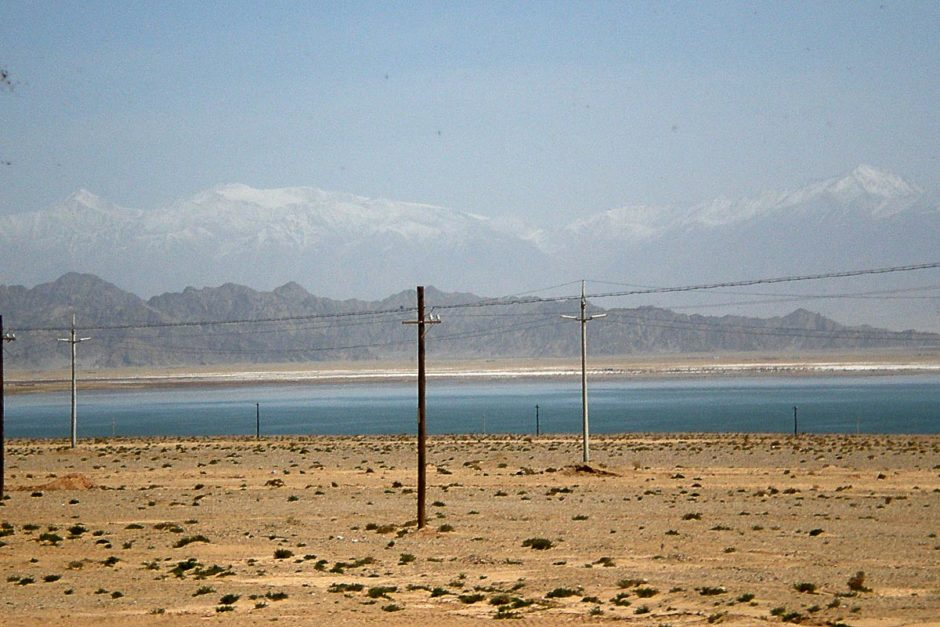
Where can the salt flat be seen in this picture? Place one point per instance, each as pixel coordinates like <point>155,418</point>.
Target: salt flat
<point>638,366</point>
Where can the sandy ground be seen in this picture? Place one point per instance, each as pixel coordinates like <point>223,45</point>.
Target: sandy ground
<point>685,529</point>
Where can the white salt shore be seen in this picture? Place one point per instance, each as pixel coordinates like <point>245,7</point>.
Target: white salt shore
<point>476,372</point>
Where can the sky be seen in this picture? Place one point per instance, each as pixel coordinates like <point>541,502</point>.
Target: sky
<point>543,111</point>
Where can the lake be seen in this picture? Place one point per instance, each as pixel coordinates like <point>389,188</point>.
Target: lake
<point>890,404</point>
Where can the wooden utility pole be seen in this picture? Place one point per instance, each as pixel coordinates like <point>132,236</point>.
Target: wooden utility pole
<point>257,421</point>
<point>795,424</point>
<point>72,340</point>
<point>536,420</point>
<point>584,319</point>
<point>4,337</point>
<point>422,427</point>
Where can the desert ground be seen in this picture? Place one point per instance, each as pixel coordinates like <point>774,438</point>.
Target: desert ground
<point>657,529</point>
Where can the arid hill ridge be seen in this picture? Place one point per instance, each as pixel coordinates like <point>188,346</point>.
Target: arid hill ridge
<point>288,324</point>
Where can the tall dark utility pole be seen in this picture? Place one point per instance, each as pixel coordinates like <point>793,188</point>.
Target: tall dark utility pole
<point>422,385</point>
<point>72,340</point>
<point>584,319</point>
<point>4,337</point>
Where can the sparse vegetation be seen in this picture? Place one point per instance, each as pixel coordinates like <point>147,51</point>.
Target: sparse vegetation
<point>539,544</point>
<point>475,597</point>
<point>609,532</point>
<point>189,540</point>
<point>377,592</point>
<point>559,593</point>
<point>49,538</point>
<point>346,587</point>
<point>621,599</point>
<point>856,582</point>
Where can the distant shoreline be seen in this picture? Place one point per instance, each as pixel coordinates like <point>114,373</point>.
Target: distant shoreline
<point>481,370</point>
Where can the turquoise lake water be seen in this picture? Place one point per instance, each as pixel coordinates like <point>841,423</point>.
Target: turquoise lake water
<point>895,404</point>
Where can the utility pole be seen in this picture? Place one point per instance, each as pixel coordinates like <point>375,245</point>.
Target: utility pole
<point>794,421</point>
<point>257,421</point>
<point>536,420</point>
<point>72,340</point>
<point>422,384</point>
<point>4,337</point>
<point>584,319</point>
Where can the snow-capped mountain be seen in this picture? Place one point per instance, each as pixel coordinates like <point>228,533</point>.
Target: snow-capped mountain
<point>342,245</point>
<point>864,194</point>
<point>865,219</point>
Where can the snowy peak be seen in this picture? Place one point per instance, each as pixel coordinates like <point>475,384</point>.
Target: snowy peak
<point>240,193</point>
<point>633,222</point>
<point>85,203</point>
<point>237,194</point>
<point>308,209</point>
<point>84,197</point>
<point>874,182</point>
<point>864,193</point>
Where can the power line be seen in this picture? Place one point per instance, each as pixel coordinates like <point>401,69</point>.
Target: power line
<point>616,316</point>
<point>873,294</point>
<point>698,287</point>
<point>493,302</point>
<point>768,281</point>
<point>254,351</point>
<point>795,332</point>
<point>542,289</point>
<point>208,323</point>
<point>548,320</point>
<point>788,299</point>
<point>294,329</point>
<point>248,351</point>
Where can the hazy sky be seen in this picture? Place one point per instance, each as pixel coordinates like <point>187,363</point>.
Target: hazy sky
<point>546,111</point>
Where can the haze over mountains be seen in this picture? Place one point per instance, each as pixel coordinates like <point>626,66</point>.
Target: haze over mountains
<point>343,246</point>
<point>291,325</point>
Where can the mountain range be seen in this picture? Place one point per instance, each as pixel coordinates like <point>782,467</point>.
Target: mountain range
<point>343,246</point>
<point>237,324</point>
